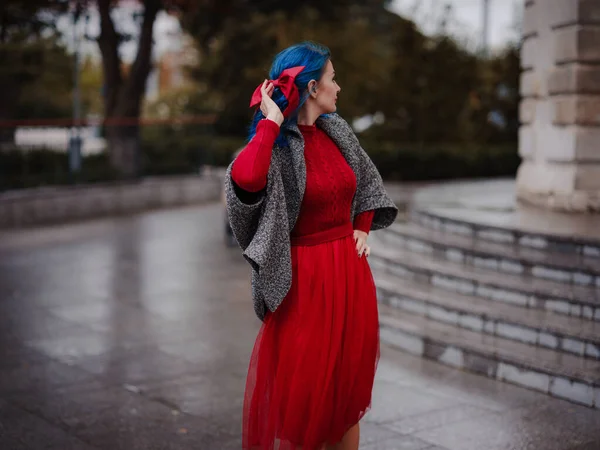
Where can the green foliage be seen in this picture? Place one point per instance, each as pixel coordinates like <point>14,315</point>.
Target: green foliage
<point>169,149</point>
<point>91,79</point>
<point>441,103</point>
<point>45,93</point>
<point>35,168</point>
<point>413,162</point>
<point>429,89</point>
<point>35,70</point>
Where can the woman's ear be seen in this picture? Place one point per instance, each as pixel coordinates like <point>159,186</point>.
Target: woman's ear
<point>312,88</point>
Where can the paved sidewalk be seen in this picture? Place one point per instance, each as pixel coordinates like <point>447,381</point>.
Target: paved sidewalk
<point>134,333</point>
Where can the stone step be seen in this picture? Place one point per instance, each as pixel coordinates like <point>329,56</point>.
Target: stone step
<point>535,327</point>
<point>574,269</point>
<point>557,374</point>
<point>507,229</point>
<point>522,290</point>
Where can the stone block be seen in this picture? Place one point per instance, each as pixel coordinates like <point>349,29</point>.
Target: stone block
<point>564,13</point>
<point>527,110</point>
<point>517,333</point>
<point>563,79</point>
<point>524,377</point>
<point>471,322</point>
<point>577,44</point>
<point>572,390</point>
<point>576,110</point>
<point>451,356</point>
<point>569,144</point>
<point>573,346</point>
<point>443,315</point>
<point>530,20</point>
<point>526,142</point>
<point>544,179</point>
<point>589,12</point>
<point>547,340</point>
<point>574,79</point>
<point>404,341</point>
<point>552,186</point>
<point>528,53</point>
<point>587,177</point>
<point>587,144</point>
<point>589,44</point>
<point>531,84</point>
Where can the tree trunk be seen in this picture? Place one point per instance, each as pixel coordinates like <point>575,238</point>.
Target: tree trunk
<point>124,144</point>
<point>123,96</point>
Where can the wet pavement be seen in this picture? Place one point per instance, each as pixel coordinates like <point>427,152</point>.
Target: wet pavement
<point>135,333</point>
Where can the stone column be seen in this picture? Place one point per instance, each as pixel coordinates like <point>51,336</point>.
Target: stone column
<point>559,139</point>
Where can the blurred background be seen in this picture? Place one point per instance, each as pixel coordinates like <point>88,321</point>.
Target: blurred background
<point>133,331</point>
<point>105,90</point>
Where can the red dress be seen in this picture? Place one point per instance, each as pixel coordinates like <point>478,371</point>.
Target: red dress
<point>312,368</point>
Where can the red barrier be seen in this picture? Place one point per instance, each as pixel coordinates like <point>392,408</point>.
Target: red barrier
<point>204,119</point>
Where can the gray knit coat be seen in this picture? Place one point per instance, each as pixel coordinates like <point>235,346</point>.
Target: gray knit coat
<point>262,228</point>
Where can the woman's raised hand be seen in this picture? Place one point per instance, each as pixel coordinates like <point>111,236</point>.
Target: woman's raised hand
<point>268,107</point>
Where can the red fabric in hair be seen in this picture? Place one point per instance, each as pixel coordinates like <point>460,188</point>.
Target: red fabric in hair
<point>285,82</point>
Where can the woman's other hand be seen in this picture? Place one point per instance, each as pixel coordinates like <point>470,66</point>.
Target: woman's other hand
<point>360,238</point>
<point>268,107</point>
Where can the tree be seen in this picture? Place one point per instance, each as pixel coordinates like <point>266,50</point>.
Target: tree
<point>32,62</point>
<point>91,87</point>
<point>123,92</point>
<point>237,56</point>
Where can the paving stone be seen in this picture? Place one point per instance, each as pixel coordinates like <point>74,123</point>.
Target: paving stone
<point>201,395</point>
<point>131,366</point>
<point>173,377</point>
<point>20,430</point>
<point>41,376</point>
<point>15,354</point>
<point>74,348</point>
<point>74,406</point>
<point>372,433</point>
<point>391,402</point>
<point>515,429</point>
<point>399,443</point>
<point>437,418</point>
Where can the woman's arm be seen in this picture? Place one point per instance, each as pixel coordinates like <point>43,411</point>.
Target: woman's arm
<point>250,168</point>
<point>363,221</point>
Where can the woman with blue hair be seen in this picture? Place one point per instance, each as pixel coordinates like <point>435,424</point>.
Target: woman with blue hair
<point>302,197</point>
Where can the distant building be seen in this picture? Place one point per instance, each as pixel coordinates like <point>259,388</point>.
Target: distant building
<point>172,66</point>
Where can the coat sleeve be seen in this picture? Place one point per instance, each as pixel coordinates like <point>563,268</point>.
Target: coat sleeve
<point>371,193</point>
<point>243,211</point>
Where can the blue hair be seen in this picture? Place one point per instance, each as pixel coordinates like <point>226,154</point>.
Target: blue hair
<point>309,54</point>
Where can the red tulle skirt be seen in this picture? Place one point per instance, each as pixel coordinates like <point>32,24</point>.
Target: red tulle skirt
<point>312,368</point>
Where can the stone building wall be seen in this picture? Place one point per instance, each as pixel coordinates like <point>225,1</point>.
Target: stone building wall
<point>560,110</point>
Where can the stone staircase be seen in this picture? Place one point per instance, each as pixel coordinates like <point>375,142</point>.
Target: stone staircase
<point>514,305</point>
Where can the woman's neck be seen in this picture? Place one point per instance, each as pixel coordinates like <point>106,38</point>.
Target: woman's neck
<point>308,115</point>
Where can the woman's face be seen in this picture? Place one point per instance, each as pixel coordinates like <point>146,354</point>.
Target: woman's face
<point>327,90</point>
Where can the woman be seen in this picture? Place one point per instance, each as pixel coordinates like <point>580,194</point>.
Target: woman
<point>301,198</point>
